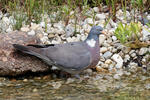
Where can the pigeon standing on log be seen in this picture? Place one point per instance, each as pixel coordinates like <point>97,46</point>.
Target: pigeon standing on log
<point>72,57</point>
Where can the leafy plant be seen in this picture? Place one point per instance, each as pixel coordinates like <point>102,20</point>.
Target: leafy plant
<point>129,35</point>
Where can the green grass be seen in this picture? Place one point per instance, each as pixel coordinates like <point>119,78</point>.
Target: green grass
<point>32,10</point>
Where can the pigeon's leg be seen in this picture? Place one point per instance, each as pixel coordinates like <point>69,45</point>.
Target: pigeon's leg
<point>77,76</point>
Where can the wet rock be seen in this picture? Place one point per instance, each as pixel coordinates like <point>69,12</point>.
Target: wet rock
<point>117,77</point>
<point>70,80</point>
<point>56,85</point>
<point>147,86</point>
<point>14,62</point>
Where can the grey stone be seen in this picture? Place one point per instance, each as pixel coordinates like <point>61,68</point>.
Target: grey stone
<point>69,30</point>
<point>107,54</point>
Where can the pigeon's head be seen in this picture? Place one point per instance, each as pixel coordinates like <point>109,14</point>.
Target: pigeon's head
<point>96,30</point>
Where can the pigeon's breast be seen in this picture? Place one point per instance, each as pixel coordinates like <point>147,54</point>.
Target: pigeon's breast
<point>94,55</point>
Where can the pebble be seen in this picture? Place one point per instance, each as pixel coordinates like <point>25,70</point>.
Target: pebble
<point>133,55</point>
<point>143,51</point>
<point>89,21</point>
<point>35,90</point>
<point>146,34</point>
<point>148,17</point>
<point>103,50</point>
<point>25,29</point>
<point>114,38</point>
<point>32,32</point>
<point>96,9</point>
<point>42,24</point>
<point>117,77</point>
<point>107,54</point>
<point>70,80</point>
<point>118,59</point>
<point>69,30</point>
<point>102,38</point>
<point>56,85</point>
<point>126,58</point>
<point>147,86</point>
<point>108,61</point>
<point>100,16</point>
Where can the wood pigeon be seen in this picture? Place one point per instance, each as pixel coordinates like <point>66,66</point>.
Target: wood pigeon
<point>71,57</point>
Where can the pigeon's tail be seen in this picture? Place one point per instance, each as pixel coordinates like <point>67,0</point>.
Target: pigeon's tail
<point>29,50</point>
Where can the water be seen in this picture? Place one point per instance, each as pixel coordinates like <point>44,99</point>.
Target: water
<point>96,87</point>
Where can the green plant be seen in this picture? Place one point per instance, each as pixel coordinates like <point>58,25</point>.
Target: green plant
<point>129,35</point>
<point>124,7</point>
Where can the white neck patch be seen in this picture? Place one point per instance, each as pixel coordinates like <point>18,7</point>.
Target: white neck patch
<point>91,42</point>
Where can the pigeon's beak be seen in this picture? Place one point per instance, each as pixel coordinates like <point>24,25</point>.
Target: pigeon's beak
<point>103,32</point>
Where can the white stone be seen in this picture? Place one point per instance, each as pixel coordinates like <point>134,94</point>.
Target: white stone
<point>42,24</point>
<point>25,29</point>
<point>118,59</point>
<point>103,50</point>
<point>147,86</point>
<point>100,16</point>
<point>83,37</point>
<point>114,38</point>
<point>96,9</point>
<point>89,21</point>
<point>70,80</point>
<point>59,25</point>
<point>132,51</point>
<point>69,39</point>
<point>1,14</point>
<point>10,29</point>
<point>143,51</point>
<point>87,27</point>
<point>133,55</point>
<point>107,54</point>
<point>146,34</point>
<point>114,50</point>
<point>102,38</point>
<point>56,85</point>
<point>108,61</point>
<point>34,26</point>
<point>32,32</point>
<point>6,20</point>
<point>113,24</point>
<point>116,76</point>
<point>44,39</point>
<point>126,58</point>
<point>55,68</point>
<point>148,17</point>
<point>69,30</point>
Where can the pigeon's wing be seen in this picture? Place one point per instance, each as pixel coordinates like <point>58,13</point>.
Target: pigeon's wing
<point>74,56</point>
